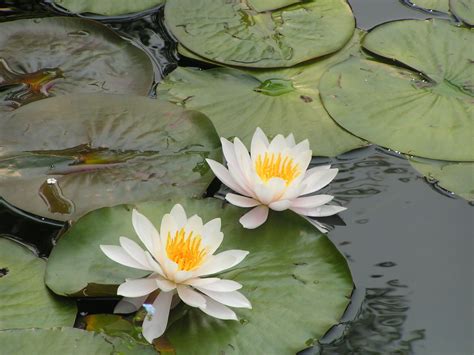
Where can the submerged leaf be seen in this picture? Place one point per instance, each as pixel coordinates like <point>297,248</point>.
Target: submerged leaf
<point>233,33</point>
<point>25,302</point>
<point>277,100</point>
<point>65,156</point>
<point>297,281</point>
<point>53,56</point>
<point>429,114</point>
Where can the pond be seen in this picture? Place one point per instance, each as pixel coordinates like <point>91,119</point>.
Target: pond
<point>407,240</point>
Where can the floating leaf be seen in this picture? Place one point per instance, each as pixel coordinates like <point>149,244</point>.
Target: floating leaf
<point>67,155</point>
<point>108,8</point>
<point>67,341</point>
<point>429,114</point>
<point>464,10</point>
<point>61,55</point>
<point>296,279</point>
<point>278,101</point>
<point>25,302</point>
<point>457,177</point>
<point>231,32</point>
<point>437,5</point>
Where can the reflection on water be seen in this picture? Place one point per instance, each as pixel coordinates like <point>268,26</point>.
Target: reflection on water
<point>53,197</point>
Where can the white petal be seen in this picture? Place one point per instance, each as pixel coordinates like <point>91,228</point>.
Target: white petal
<point>119,255</point>
<point>201,281</point>
<point>179,216</point>
<point>259,147</point>
<point>222,261</point>
<point>212,236</point>
<point>259,135</point>
<point>218,310</point>
<point>318,180</point>
<point>154,325</point>
<point>153,264</point>
<point>316,169</point>
<point>134,250</point>
<point>290,140</point>
<point>231,299</point>
<point>137,287</point>
<point>224,176</point>
<point>145,230</point>
<point>241,201</point>
<point>181,276</point>
<point>129,304</point>
<point>301,147</point>
<point>233,164</point>
<point>165,285</point>
<point>280,205</point>
<point>194,224</point>
<point>303,159</point>
<point>255,218</point>
<point>322,211</point>
<point>168,226</point>
<point>220,286</point>
<point>270,191</point>
<point>311,201</point>
<point>277,144</point>
<point>319,226</point>
<point>191,297</point>
<point>244,161</point>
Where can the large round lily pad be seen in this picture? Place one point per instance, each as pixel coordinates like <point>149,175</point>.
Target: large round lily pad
<point>235,33</point>
<point>60,341</point>
<point>457,177</point>
<point>430,114</point>
<point>67,155</point>
<point>278,101</point>
<point>25,302</point>
<point>53,56</point>
<point>108,8</point>
<point>297,281</point>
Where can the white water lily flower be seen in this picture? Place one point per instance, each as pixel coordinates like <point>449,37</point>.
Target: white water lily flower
<point>274,176</point>
<point>178,257</point>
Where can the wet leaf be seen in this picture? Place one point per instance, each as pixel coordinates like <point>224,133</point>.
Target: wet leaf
<point>457,177</point>
<point>277,100</point>
<point>464,10</point>
<point>67,341</point>
<point>67,155</point>
<point>53,56</point>
<point>233,33</point>
<point>296,279</point>
<point>25,302</point>
<point>108,8</point>
<point>114,325</point>
<point>437,5</point>
<point>428,114</point>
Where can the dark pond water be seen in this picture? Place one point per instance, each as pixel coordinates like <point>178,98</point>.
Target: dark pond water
<point>408,242</point>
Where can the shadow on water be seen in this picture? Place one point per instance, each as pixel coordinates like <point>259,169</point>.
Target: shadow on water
<point>398,227</point>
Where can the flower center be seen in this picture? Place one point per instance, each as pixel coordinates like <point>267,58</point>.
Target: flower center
<point>272,165</point>
<point>185,250</point>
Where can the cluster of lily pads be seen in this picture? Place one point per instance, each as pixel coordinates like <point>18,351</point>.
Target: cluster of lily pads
<point>81,142</point>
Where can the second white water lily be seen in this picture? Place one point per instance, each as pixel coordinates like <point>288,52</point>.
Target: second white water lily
<point>178,257</point>
<point>274,176</point>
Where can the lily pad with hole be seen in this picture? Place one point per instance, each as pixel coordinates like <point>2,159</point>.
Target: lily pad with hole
<point>43,57</point>
<point>277,100</point>
<point>108,8</point>
<point>457,177</point>
<point>234,33</point>
<point>429,114</point>
<point>65,156</point>
<point>25,301</point>
<point>69,341</point>
<point>298,283</point>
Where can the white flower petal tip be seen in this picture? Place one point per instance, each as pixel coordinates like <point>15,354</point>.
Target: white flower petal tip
<point>274,174</point>
<point>178,257</point>
<point>255,218</point>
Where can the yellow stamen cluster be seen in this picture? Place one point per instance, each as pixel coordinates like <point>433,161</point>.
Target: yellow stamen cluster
<point>185,250</point>
<point>272,165</point>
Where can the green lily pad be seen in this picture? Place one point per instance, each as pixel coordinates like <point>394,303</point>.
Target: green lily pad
<point>25,302</point>
<point>297,281</point>
<point>233,33</point>
<point>108,8</point>
<point>278,101</point>
<point>53,56</point>
<point>457,177</point>
<point>429,114</point>
<point>60,341</point>
<point>437,5</point>
<point>463,9</point>
<point>68,155</point>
